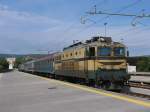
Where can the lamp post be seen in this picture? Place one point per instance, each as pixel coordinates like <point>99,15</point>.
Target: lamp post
<point>105,28</point>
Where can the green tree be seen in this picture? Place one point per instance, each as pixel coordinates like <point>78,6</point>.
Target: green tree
<point>144,64</point>
<point>19,61</point>
<point>3,64</point>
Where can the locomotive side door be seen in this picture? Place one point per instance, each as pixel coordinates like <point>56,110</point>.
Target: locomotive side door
<point>86,61</point>
<point>91,56</point>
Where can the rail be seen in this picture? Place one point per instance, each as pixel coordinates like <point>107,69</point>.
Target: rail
<point>137,95</point>
<point>138,84</point>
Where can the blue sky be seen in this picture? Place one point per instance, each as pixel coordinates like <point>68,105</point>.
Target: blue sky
<point>33,26</point>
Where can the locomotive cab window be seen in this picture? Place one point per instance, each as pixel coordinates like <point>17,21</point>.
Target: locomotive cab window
<point>92,51</point>
<point>119,51</point>
<point>104,51</point>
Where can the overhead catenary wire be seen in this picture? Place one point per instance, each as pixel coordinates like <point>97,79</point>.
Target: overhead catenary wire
<point>104,18</point>
<point>119,14</point>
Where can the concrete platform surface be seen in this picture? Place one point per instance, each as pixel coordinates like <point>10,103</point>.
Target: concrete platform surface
<point>140,90</point>
<point>23,92</point>
<point>140,78</point>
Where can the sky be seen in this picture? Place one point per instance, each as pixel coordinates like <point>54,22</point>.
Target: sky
<point>39,26</point>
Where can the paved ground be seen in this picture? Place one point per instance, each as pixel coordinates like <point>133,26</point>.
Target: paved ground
<point>140,78</point>
<point>22,92</point>
<point>140,90</point>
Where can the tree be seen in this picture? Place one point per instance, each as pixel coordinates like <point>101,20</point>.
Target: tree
<point>3,64</point>
<point>143,64</point>
<point>19,61</point>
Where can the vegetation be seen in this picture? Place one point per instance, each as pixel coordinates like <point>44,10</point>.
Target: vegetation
<point>3,64</point>
<point>142,63</point>
<point>21,60</point>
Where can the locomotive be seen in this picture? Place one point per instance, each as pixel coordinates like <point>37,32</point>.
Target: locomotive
<point>98,61</point>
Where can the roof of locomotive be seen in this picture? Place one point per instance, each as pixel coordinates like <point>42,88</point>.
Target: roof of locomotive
<point>95,41</point>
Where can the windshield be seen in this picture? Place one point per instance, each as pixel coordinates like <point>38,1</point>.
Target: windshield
<point>119,51</point>
<point>104,51</point>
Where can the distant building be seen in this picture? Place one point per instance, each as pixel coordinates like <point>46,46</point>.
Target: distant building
<point>11,62</point>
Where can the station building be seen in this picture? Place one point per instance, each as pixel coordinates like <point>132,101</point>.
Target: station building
<point>11,62</point>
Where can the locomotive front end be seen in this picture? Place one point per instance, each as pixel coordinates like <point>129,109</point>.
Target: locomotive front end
<point>111,66</point>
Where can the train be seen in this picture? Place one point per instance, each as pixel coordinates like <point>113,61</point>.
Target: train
<point>99,61</point>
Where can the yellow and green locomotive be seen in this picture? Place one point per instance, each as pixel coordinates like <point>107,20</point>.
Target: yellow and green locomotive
<point>98,61</point>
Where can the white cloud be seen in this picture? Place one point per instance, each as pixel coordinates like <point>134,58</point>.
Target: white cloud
<point>3,7</point>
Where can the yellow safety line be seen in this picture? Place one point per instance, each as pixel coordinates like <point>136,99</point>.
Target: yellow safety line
<point>100,92</point>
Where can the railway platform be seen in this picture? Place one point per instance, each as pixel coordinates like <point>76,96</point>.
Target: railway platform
<point>23,92</point>
<point>144,79</point>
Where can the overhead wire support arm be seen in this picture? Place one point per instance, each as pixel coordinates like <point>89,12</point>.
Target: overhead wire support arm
<point>118,14</point>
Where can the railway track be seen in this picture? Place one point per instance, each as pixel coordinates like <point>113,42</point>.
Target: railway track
<point>138,84</point>
<point>135,94</point>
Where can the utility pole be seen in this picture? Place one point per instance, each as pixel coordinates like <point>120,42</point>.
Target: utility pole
<point>105,28</point>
